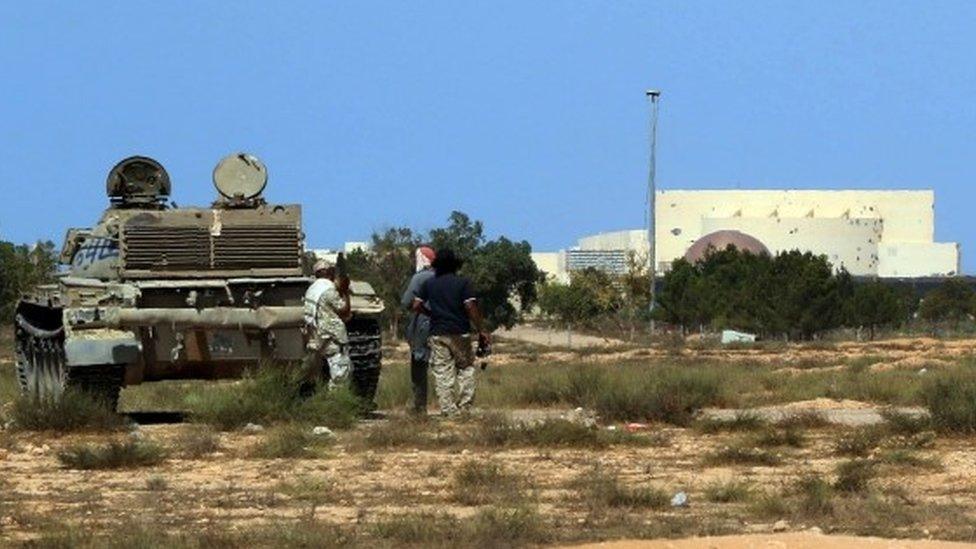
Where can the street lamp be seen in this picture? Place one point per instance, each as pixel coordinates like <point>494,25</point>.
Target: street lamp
<point>652,96</point>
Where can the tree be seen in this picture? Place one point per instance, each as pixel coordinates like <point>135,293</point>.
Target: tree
<point>682,299</point>
<point>589,296</point>
<point>874,305</point>
<point>462,235</point>
<point>503,272</point>
<point>387,267</point>
<point>952,302</point>
<point>22,268</point>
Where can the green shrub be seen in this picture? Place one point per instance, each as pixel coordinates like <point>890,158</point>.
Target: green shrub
<point>74,411</point>
<point>601,490</point>
<point>288,441</point>
<point>905,424</point>
<point>114,455</point>
<point>268,395</point>
<point>859,442</point>
<point>732,491</point>
<point>742,455</point>
<point>815,496</point>
<point>197,441</point>
<point>951,399</point>
<point>855,476</point>
<point>480,482</point>
<point>784,436</point>
<point>743,421</point>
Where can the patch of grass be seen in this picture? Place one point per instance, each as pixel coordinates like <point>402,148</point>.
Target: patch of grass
<point>854,476</point>
<point>743,421</point>
<point>268,395</point>
<point>421,529</point>
<point>775,437</point>
<point>601,490</point>
<point>490,527</point>
<point>742,455</point>
<point>732,491</point>
<point>196,441</point>
<point>859,442</point>
<point>74,411</point>
<point>815,495</point>
<point>114,455</point>
<point>770,506</point>
<point>951,399</point>
<point>156,483</point>
<point>905,424</point>
<point>481,482</point>
<point>289,440</point>
<point>806,419</point>
<point>313,491</point>
<point>908,459</point>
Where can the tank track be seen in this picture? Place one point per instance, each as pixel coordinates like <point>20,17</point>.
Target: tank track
<point>42,372</point>
<point>366,354</point>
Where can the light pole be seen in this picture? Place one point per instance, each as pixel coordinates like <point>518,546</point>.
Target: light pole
<point>652,96</point>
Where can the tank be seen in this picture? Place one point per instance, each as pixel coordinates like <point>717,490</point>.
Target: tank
<point>157,292</point>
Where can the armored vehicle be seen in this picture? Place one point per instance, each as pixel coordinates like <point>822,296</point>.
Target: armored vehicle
<point>157,292</point>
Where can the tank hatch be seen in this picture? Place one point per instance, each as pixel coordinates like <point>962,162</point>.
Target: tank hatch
<point>138,182</point>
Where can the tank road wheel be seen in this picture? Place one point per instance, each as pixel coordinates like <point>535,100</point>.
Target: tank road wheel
<point>40,360</point>
<point>365,352</point>
<point>43,374</point>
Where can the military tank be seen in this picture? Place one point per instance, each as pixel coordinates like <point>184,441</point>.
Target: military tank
<point>158,292</point>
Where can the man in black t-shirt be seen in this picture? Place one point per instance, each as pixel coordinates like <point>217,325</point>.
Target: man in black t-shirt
<point>453,308</point>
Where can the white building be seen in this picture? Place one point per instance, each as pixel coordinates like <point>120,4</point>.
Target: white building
<point>870,233</point>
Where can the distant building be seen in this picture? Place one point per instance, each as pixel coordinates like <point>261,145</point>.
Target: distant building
<point>869,233</point>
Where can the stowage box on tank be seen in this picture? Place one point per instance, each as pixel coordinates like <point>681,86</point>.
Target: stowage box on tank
<point>155,292</point>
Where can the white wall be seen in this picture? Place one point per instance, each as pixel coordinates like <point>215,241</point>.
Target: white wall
<point>848,243</point>
<point>918,259</point>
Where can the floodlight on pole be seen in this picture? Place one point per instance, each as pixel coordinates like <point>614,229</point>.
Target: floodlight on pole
<point>652,96</point>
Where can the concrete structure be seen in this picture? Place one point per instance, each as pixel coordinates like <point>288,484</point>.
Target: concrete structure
<point>870,233</point>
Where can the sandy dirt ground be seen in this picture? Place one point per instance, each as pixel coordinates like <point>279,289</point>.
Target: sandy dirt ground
<point>355,484</point>
<point>776,541</point>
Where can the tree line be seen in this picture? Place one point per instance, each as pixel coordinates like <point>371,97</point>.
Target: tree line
<point>793,295</point>
<point>21,268</point>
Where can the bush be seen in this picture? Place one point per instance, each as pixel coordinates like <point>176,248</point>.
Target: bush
<point>74,411</point>
<point>741,455</point>
<point>859,442</point>
<point>197,441</point>
<point>288,441</point>
<point>272,394</point>
<point>669,394</point>
<point>951,400</point>
<point>114,455</point>
<point>815,496</point>
<point>601,490</point>
<point>480,482</point>
<point>854,476</point>
<point>728,492</point>
<point>743,421</point>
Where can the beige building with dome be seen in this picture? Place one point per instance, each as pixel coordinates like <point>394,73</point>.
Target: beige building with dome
<point>888,234</point>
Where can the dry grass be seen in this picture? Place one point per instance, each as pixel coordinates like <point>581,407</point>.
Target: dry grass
<point>114,455</point>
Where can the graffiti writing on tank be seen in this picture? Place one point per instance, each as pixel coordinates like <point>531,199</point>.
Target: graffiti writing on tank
<point>95,249</point>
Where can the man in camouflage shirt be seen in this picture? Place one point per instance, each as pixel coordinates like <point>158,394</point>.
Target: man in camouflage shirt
<point>326,308</point>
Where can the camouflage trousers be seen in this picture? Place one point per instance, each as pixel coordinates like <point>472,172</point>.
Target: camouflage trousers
<point>452,362</point>
<point>326,348</point>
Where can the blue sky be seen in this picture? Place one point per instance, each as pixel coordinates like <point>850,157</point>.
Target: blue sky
<point>527,115</point>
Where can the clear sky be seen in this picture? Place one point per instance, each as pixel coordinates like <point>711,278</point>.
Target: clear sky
<point>528,115</point>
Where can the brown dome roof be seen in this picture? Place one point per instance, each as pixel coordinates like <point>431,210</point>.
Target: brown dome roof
<point>719,240</point>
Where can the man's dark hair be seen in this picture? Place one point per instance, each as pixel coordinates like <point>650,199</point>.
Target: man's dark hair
<point>446,262</point>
